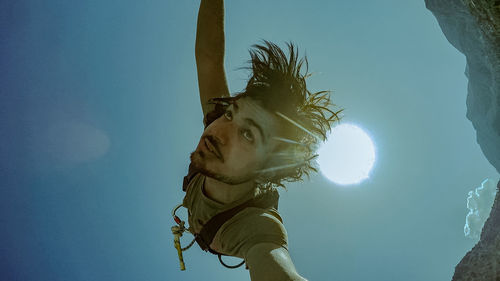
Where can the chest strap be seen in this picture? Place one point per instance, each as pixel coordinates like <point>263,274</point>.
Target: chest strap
<point>209,230</point>
<point>206,235</point>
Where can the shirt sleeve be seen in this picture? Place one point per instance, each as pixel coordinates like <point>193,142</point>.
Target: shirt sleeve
<point>249,228</point>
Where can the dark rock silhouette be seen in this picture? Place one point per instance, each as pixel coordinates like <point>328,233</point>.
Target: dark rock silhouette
<point>473,27</point>
<point>483,261</point>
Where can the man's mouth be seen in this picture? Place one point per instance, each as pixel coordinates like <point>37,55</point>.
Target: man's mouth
<point>211,147</point>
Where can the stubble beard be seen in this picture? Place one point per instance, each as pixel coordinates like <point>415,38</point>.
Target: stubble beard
<point>198,162</point>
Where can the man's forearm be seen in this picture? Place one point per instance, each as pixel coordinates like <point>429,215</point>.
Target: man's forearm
<point>210,31</point>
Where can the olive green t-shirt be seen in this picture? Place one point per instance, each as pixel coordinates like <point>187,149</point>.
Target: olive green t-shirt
<point>246,229</point>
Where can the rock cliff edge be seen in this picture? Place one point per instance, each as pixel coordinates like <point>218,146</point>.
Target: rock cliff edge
<point>473,27</point>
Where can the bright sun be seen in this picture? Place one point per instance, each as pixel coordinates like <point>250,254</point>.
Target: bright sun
<point>347,156</point>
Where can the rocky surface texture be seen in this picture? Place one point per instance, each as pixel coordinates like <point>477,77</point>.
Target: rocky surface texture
<point>482,263</point>
<point>473,27</point>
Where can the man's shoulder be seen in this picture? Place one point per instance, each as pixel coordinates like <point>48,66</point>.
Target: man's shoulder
<point>250,227</point>
<point>259,215</point>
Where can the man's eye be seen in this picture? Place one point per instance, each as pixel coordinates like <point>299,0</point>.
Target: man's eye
<point>247,134</point>
<point>228,115</point>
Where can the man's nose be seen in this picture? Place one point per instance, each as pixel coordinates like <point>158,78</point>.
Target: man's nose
<point>222,135</point>
<point>225,133</point>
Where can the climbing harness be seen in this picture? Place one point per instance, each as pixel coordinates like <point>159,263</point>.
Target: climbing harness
<point>204,238</point>
<point>207,234</point>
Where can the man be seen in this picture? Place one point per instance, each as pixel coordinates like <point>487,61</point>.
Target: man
<point>252,143</point>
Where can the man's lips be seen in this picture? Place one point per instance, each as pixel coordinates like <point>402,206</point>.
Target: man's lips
<point>212,148</point>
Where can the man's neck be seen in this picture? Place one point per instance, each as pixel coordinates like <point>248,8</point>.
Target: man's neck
<point>226,193</point>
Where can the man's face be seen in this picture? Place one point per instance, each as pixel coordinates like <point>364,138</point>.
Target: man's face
<point>236,145</point>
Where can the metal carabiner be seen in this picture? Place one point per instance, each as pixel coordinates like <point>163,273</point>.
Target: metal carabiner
<point>177,231</point>
<point>176,218</point>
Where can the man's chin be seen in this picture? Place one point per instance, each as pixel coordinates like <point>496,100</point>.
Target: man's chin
<point>197,161</point>
<point>195,155</point>
<point>198,164</point>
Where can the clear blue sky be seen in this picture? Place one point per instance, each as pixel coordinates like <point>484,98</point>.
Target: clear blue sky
<point>99,111</point>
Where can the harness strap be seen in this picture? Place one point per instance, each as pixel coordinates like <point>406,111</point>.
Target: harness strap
<point>210,229</point>
<point>230,266</point>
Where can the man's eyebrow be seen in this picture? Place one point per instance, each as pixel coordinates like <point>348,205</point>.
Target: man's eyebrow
<point>253,123</point>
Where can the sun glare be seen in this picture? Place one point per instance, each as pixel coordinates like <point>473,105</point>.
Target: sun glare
<point>347,156</point>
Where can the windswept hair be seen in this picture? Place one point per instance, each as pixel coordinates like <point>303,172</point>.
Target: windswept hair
<point>278,83</point>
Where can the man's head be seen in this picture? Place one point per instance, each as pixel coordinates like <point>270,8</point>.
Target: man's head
<point>237,144</point>
<point>269,132</point>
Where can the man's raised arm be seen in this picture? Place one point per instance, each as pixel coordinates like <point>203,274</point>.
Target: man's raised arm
<point>209,51</point>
